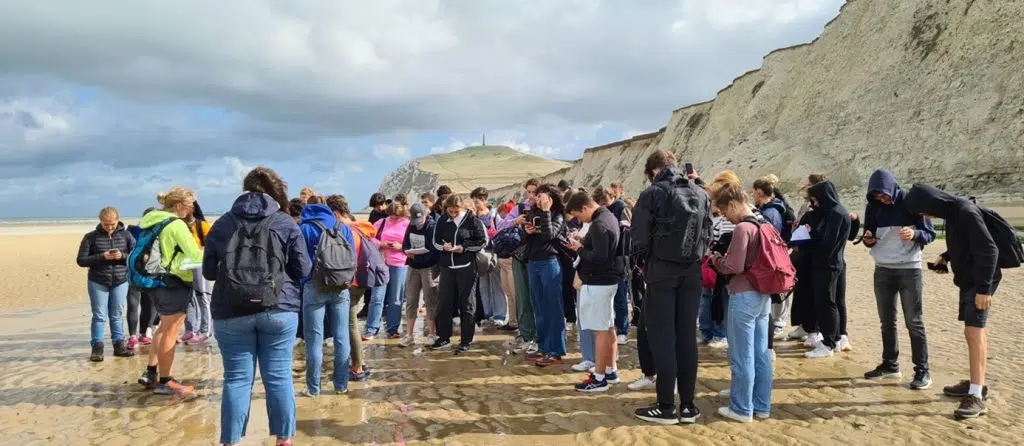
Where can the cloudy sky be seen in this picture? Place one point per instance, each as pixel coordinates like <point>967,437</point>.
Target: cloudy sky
<point>110,101</point>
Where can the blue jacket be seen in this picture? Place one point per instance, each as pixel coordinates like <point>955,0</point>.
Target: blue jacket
<point>429,259</point>
<point>289,242</point>
<point>311,233</point>
<point>774,212</point>
<point>885,221</point>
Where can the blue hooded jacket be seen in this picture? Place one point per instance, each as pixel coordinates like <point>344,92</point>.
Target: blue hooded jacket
<point>774,212</point>
<point>255,206</point>
<point>885,222</point>
<point>311,233</point>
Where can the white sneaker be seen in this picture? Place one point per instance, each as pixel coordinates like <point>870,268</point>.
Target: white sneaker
<point>724,393</point>
<point>406,341</point>
<point>531,348</point>
<point>798,333</point>
<point>820,351</point>
<point>779,333</point>
<point>844,344</point>
<point>718,343</point>
<point>583,366</point>
<point>621,339</point>
<point>728,413</point>
<point>812,340</point>
<point>431,339</point>
<point>643,383</point>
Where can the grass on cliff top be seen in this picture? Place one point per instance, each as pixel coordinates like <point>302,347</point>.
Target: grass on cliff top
<point>487,166</point>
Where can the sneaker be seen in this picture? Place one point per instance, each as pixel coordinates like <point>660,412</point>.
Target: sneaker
<point>644,383</point>
<point>133,341</point>
<point>121,350</point>
<point>797,334</point>
<point>655,414</point>
<point>812,340</point>
<point>441,344</point>
<point>779,333</point>
<point>394,335</point>
<point>361,376</point>
<point>198,339</point>
<point>509,328</point>
<point>762,415</point>
<point>145,340</point>
<point>718,343</point>
<point>583,366</point>
<point>463,348</point>
<point>186,337</point>
<point>688,413</point>
<point>96,355</point>
<point>369,337</point>
<point>340,391</point>
<point>844,344</point>
<point>148,379</point>
<point>612,378</point>
<point>591,384</point>
<point>970,407</point>
<point>728,413</point>
<point>173,387</point>
<point>821,351</point>
<point>432,339</point>
<point>621,339</point>
<point>884,371</point>
<point>535,356</point>
<point>532,348</point>
<point>309,393</point>
<point>406,341</point>
<point>960,390</point>
<point>922,380</point>
<point>548,361</point>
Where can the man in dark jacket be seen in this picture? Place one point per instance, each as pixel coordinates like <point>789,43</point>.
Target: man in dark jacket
<point>972,255</point>
<point>104,251</point>
<point>672,231</point>
<point>600,268</point>
<point>896,238</point>
<point>830,229</point>
<point>423,272</point>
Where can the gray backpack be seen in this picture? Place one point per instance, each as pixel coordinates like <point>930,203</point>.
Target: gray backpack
<point>335,265</point>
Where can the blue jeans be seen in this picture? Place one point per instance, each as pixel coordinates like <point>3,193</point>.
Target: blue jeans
<point>265,339</point>
<point>492,297</point>
<point>622,308</point>
<point>108,304</point>
<point>709,329</point>
<point>392,296</point>
<point>587,344</point>
<point>545,278</point>
<point>315,304</point>
<point>749,359</point>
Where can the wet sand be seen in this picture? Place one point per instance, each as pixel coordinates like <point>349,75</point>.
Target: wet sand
<point>50,394</point>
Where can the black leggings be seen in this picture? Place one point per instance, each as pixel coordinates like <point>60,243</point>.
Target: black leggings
<point>568,290</point>
<point>457,287</point>
<point>670,312</point>
<point>643,345</point>
<point>140,312</point>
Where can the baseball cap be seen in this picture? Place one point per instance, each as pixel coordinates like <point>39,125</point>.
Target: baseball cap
<point>416,212</point>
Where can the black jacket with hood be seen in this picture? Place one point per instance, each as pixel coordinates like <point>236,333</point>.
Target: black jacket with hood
<point>469,233</point>
<point>970,250</point>
<point>830,228</point>
<point>541,244</point>
<point>644,227</point>
<point>600,263</point>
<point>105,272</point>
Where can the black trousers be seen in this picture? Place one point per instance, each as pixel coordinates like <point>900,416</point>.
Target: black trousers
<point>802,311</point>
<point>643,344</point>
<point>140,312</point>
<point>670,312</point>
<point>457,287</point>
<point>568,291</point>
<point>826,282</point>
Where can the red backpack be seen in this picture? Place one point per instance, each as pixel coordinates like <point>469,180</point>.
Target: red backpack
<point>772,271</point>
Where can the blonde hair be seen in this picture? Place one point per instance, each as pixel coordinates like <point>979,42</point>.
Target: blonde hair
<point>397,209</point>
<point>308,191</point>
<point>109,210</point>
<point>177,195</point>
<point>726,189</point>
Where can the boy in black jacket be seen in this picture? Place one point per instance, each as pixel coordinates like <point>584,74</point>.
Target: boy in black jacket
<point>830,228</point>
<point>458,236</point>
<point>972,254</point>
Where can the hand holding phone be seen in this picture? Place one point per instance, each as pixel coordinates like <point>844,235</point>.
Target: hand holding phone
<point>689,168</point>
<point>939,267</point>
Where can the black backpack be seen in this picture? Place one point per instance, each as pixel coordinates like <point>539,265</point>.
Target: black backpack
<point>682,223</point>
<point>788,221</point>
<point>251,270</point>
<point>1011,253</point>
<point>335,265</point>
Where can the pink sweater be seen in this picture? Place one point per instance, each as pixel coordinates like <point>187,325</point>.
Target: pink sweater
<point>739,257</point>
<point>392,230</point>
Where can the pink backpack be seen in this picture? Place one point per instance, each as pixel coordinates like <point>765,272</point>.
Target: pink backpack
<point>772,271</point>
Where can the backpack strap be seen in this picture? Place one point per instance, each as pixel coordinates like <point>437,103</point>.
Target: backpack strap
<point>332,233</point>
<point>752,220</point>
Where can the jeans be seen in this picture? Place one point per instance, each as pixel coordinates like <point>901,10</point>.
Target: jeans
<point>709,329</point>
<point>749,358</point>
<point>108,305</point>
<point>622,308</point>
<point>586,338</point>
<point>905,283</point>
<point>315,305</point>
<point>392,296</point>
<point>492,297</point>
<point>263,339</point>
<point>546,294</point>
<point>508,286</point>
<point>524,304</point>
<point>197,319</point>
<point>670,312</point>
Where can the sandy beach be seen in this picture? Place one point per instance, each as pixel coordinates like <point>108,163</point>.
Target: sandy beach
<point>50,394</point>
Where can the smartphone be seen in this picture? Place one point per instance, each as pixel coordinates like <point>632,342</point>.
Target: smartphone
<point>689,168</point>
<point>936,267</point>
<point>522,209</point>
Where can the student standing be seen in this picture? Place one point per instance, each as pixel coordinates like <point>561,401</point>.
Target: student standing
<point>458,236</point>
<point>104,251</point>
<point>390,233</point>
<point>830,229</point>
<point>542,226</point>
<point>423,272</point>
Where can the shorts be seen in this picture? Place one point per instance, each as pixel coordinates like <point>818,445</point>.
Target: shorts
<point>597,307</point>
<point>969,312</point>
<point>172,299</point>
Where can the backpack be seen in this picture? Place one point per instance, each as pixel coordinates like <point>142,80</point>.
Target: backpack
<point>1011,253</point>
<point>145,269</point>
<point>335,264</point>
<point>788,221</point>
<point>507,241</point>
<point>251,269</point>
<point>772,271</point>
<point>371,271</point>
<point>682,224</point>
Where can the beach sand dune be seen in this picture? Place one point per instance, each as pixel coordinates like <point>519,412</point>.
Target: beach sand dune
<point>50,394</point>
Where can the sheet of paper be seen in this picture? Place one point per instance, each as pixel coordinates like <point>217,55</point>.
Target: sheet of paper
<point>417,241</point>
<point>416,251</point>
<point>800,234</point>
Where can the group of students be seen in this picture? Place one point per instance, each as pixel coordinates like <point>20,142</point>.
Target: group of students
<point>692,250</point>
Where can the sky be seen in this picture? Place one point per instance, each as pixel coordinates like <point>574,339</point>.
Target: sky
<point>108,102</point>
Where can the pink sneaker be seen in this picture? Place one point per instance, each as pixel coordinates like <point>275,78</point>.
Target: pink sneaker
<point>145,340</point>
<point>186,337</point>
<point>197,339</point>
<point>132,342</point>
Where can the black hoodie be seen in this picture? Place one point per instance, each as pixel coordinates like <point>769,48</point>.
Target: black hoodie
<point>644,226</point>
<point>970,250</point>
<point>830,227</point>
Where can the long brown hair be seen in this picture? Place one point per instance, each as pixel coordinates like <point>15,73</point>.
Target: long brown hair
<point>265,180</point>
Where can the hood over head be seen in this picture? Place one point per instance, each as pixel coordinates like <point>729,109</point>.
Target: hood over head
<point>826,194</point>
<point>929,200</point>
<point>254,205</point>
<point>318,212</point>
<point>670,173</point>
<point>883,181</point>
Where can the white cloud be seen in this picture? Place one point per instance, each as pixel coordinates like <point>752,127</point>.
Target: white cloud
<point>355,168</point>
<point>395,153</point>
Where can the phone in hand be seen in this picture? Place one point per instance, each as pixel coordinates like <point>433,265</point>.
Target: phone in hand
<point>689,168</point>
<point>942,268</point>
<point>522,209</point>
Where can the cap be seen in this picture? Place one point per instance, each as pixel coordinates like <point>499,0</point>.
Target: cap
<point>416,211</point>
